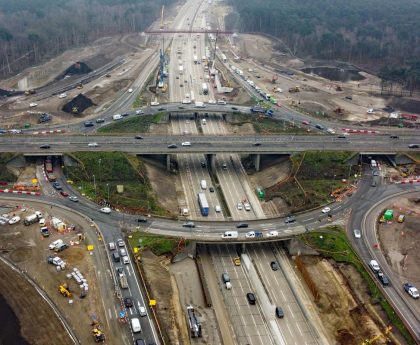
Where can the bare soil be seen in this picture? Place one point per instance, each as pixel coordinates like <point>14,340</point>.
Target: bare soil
<point>344,304</point>
<point>400,242</point>
<point>25,246</point>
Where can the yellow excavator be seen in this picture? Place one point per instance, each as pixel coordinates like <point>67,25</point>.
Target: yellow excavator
<point>64,290</point>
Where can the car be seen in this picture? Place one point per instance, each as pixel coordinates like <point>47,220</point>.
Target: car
<point>100,120</point>
<point>74,198</point>
<point>130,90</point>
<point>319,126</point>
<point>211,101</point>
<point>54,244</point>
<point>111,246</point>
<point>272,233</point>
<point>142,311</point>
<point>154,103</point>
<point>279,312</point>
<point>341,136</point>
<point>239,206</point>
<point>123,252</point>
<point>234,108</point>
<point>139,112</point>
<point>189,225</point>
<point>250,234</point>
<point>224,167</point>
<point>33,104</point>
<point>247,206</point>
<point>120,243</point>
<point>46,146</point>
<point>120,270</point>
<point>42,222</point>
<point>172,146</point>
<point>257,144</point>
<point>349,97</point>
<point>357,233</point>
<point>274,265</point>
<point>138,137</point>
<point>128,302</point>
<point>142,220</point>
<point>376,173</point>
<point>305,122</point>
<point>217,208</point>
<point>394,136</point>
<point>413,146</point>
<point>383,279</point>
<point>162,109</point>
<point>125,114</point>
<point>203,164</point>
<point>60,247</point>
<point>326,209</point>
<point>57,186</point>
<point>411,290</point>
<point>211,189</point>
<point>88,124</point>
<point>14,220</point>
<point>242,225</point>
<point>125,260</point>
<point>290,219</point>
<point>62,95</point>
<point>106,210</point>
<point>186,143</point>
<point>251,298</point>
<point>65,194</point>
<point>373,264</point>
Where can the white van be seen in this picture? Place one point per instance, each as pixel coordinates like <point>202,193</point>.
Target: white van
<point>230,234</point>
<point>217,208</point>
<point>117,117</point>
<point>199,105</point>
<point>221,102</point>
<point>203,121</point>
<point>135,325</point>
<point>203,184</point>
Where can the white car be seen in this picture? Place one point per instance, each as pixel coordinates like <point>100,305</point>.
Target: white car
<point>14,220</point>
<point>130,90</point>
<point>370,111</point>
<point>106,210</point>
<point>250,234</point>
<point>374,265</point>
<point>217,208</point>
<point>142,311</point>
<point>186,101</point>
<point>62,95</point>
<point>239,206</point>
<point>326,210</point>
<point>272,233</point>
<point>154,103</point>
<point>93,145</point>
<point>211,101</point>
<point>139,112</point>
<point>125,260</point>
<point>55,244</point>
<point>120,243</point>
<point>74,198</point>
<point>357,233</point>
<point>33,104</point>
<point>186,143</point>
<point>247,206</point>
<point>42,222</point>
<point>331,131</point>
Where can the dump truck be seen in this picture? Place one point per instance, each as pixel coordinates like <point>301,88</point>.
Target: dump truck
<point>32,219</point>
<point>123,280</point>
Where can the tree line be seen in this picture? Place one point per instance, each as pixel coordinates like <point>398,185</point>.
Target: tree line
<point>34,30</point>
<point>373,34</point>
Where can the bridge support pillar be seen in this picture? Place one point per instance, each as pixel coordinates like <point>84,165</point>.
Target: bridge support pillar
<point>212,161</point>
<point>168,162</point>
<point>257,161</point>
<point>243,247</point>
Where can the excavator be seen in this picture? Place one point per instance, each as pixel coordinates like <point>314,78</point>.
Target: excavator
<point>64,290</point>
<point>97,333</point>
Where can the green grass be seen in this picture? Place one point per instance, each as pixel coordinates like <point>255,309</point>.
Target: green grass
<point>137,124</point>
<point>5,174</point>
<point>138,102</point>
<point>333,243</point>
<point>159,245</point>
<point>266,125</point>
<point>111,169</point>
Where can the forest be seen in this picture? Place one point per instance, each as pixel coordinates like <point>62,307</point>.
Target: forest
<point>34,30</point>
<point>379,35</point>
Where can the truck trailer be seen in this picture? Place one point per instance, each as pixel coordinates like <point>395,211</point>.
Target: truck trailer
<point>202,202</point>
<point>123,281</point>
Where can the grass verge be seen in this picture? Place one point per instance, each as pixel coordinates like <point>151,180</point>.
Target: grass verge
<point>99,174</point>
<point>333,243</point>
<point>159,245</point>
<point>138,124</point>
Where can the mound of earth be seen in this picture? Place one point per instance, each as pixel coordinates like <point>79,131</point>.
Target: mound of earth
<point>406,104</point>
<point>78,104</point>
<point>76,68</point>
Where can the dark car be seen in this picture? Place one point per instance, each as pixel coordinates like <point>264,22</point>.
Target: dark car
<point>89,124</point>
<point>140,342</point>
<point>349,97</point>
<point>413,146</point>
<point>394,136</point>
<point>274,265</point>
<point>279,312</point>
<point>257,144</point>
<point>65,194</point>
<point>120,269</point>
<point>172,146</point>
<point>341,136</point>
<point>242,225</point>
<point>45,147</point>
<point>188,225</point>
<point>161,109</point>
<point>57,186</point>
<point>290,219</point>
<point>61,247</point>
<point>234,108</point>
<point>319,126</point>
<point>250,297</point>
<point>383,279</point>
<point>211,189</point>
<point>142,220</point>
<point>203,164</point>
<point>128,302</point>
<point>138,137</point>
<point>125,114</point>
<point>100,120</point>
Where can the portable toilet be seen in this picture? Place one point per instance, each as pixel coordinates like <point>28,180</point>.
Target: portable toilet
<point>389,214</point>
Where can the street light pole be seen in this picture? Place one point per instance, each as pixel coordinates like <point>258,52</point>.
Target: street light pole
<point>107,185</point>
<point>94,184</point>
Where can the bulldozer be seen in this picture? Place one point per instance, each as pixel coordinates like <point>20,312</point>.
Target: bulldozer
<point>64,290</point>
<point>98,335</point>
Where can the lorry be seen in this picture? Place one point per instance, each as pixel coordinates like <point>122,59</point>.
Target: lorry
<point>48,165</point>
<point>205,88</point>
<point>58,224</point>
<point>203,184</point>
<point>123,280</point>
<point>202,202</point>
<point>33,218</point>
<point>195,58</point>
<point>51,177</point>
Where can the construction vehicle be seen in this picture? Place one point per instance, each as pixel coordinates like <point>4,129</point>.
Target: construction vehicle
<point>30,92</point>
<point>237,261</point>
<point>294,89</point>
<point>75,110</point>
<point>64,290</point>
<point>80,86</point>
<point>195,325</point>
<point>97,333</point>
<point>339,110</point>
<point>274,79</point>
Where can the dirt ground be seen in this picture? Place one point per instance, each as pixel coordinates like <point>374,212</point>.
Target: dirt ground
<point>400,242</point>
<point>163,184</point>
<point>25,246</point>
<point>344,304</point>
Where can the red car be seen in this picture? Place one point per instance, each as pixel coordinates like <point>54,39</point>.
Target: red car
<point>64,194</point>
<point>305,122</point>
